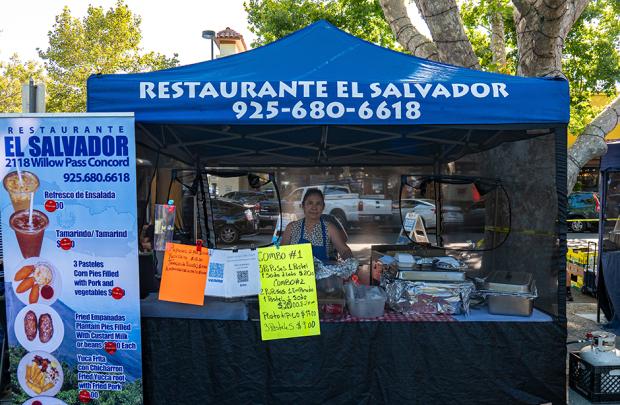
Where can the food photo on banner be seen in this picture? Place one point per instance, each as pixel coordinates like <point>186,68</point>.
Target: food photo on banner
<point>69,228</point>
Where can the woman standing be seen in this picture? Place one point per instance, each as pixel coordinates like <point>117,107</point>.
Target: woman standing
<point>326,239</point>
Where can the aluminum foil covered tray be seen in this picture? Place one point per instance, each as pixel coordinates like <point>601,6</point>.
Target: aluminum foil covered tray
<point>432,275</point>
<point>343,269</point>
<point>441,263</point>
<point>423,297</point>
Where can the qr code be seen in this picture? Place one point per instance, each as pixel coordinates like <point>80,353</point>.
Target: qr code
<point>216,270</point>
<point>242,276</point>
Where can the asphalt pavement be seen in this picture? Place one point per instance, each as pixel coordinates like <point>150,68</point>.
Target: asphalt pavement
<point>581,316</point>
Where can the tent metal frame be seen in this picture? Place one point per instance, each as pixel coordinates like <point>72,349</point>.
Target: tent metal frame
<point>321,151</point>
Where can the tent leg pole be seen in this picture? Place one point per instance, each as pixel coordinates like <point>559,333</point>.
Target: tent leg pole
<point>438,208</point>
<point>601,231</point>
<point>560,134</point>
<point>204,204</point>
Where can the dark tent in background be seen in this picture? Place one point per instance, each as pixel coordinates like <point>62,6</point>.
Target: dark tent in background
<point>608,277</point>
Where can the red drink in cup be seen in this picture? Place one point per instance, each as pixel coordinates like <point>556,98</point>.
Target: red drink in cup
<point>29,235</point>
<point>21,191</point>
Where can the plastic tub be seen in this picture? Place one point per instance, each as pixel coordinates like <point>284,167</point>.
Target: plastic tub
<point>330,286</point>
<point>365,301</point>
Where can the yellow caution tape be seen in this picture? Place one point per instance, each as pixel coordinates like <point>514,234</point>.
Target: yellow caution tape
<point>532,232</point>
<point>591,220</point>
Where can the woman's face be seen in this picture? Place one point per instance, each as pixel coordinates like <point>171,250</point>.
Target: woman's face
<point>313,207</point>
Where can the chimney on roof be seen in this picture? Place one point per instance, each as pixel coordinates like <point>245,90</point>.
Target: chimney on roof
<point>230,42</point>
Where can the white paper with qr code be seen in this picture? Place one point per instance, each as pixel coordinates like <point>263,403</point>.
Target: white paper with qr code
<point>233,273</point>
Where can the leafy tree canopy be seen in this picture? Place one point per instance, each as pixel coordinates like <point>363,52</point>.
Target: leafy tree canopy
<point>592,59</point>
<point>476,15</point>
<point>13,74</point>
<point>104,41</point>
<point>270,20</point>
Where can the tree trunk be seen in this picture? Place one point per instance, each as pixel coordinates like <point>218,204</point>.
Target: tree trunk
<point>450,43</point>
<point>591,142</point>
<point>446,27</point>
<point>498,43</point>
<point>542,26</point>
<point>406,34</point>
<point>528,166</point>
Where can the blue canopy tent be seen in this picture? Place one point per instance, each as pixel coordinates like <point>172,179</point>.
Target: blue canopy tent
<point>321,97</point>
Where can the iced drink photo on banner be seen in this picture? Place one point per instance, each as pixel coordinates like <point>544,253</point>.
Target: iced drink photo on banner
<point>29,226</point>
<point>21,186</point>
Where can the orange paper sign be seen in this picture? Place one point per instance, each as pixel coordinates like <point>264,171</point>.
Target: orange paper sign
<point>184,274</point>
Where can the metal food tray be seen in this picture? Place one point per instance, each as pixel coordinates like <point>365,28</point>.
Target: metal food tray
<point>509,282</point>
<point>510,293</point>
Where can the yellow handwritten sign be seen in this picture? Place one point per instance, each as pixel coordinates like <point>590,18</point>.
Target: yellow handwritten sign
<point>184,274</point>
<point>287,302</point>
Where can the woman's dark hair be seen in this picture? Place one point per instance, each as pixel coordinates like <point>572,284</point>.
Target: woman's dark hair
<point>147,236</point>
<point>313,191</point>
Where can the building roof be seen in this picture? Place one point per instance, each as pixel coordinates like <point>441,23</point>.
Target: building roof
<point>230,34</point>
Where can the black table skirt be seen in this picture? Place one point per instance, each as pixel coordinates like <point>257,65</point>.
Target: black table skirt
<point>189,361</point>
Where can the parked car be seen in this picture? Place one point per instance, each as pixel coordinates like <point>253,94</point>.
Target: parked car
<point>263,203</point>
<point>583,205</point>
<point>231,220</point>
<point>424,207</point>
<point>474,218</point>
<point>349,208</point>
<point>452,216</point>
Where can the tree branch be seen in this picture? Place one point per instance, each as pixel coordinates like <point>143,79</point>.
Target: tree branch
<point>498,44</point>
<point>591,142</point>
<point>575,9</point>
<point>405,32</point>
<point>446,27</point>
<point>523,6</point>
<point>579,6</point>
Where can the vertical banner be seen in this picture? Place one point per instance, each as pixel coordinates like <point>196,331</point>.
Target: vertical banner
<point>70,248</point>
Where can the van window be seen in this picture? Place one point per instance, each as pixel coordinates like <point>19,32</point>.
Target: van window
<point>296,195</point>
<point>581,200</point>
<point>332,190</point>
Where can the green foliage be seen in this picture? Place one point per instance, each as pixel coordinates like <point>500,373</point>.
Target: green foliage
<point>270,20</point>
<point>13,74</point>
<point>592,59</point>
<point>102,42</point>
<point>476,16</point>
<point>15,355</point>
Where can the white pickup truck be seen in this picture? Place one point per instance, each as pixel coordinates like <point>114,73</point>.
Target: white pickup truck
<point>351,209</point>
